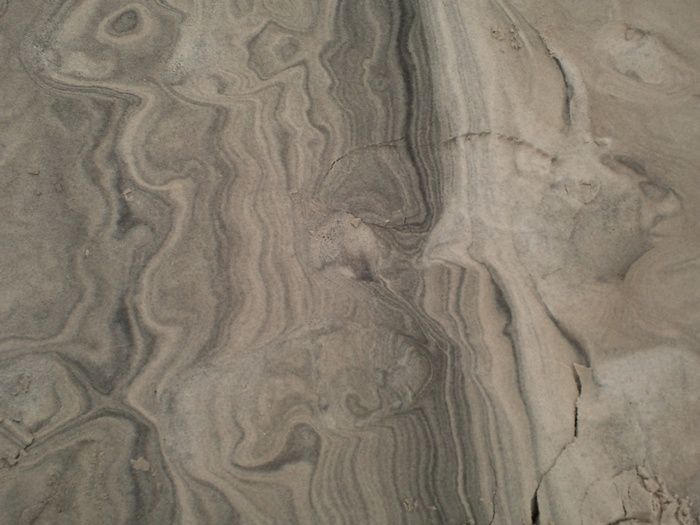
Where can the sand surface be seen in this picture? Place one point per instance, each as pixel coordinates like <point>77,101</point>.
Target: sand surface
<point>350,262</point>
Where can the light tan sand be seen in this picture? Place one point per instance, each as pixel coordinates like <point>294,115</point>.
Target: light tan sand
<point>350,262</point>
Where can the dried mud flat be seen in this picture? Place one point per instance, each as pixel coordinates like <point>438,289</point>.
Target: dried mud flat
<point>350,261</point>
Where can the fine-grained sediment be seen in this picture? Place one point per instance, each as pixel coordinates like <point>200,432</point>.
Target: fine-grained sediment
<point>350,261</point>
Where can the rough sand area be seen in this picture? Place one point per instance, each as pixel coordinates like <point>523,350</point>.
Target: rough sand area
<point>350,262</point>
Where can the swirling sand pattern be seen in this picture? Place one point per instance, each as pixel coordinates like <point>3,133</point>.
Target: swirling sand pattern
<point>349,261</point>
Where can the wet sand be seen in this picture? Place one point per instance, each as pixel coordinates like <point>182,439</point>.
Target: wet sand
<point>352,261</point>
